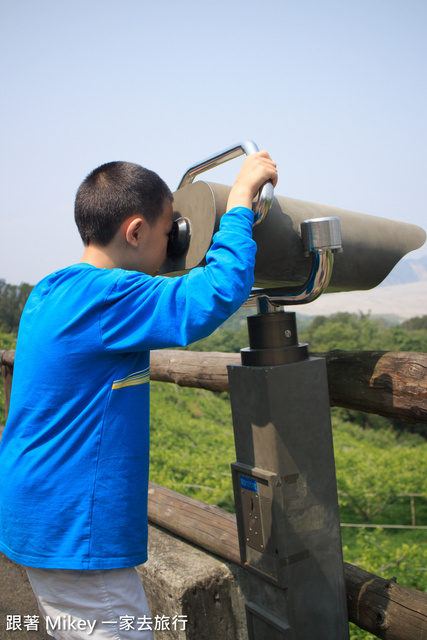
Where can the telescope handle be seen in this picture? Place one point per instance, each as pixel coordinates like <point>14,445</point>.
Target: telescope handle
<point>265,194</point>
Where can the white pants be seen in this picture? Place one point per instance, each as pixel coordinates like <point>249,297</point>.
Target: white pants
<point>97,605</point>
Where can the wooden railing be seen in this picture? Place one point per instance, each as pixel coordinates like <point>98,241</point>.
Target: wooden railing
<point>387,383</point>
<point>392,384</point>
<point>7,359</point>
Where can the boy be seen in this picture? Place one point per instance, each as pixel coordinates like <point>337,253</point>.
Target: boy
<point>74,455</point>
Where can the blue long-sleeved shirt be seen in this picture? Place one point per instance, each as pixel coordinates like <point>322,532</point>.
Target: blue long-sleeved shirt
<point>75,450</point>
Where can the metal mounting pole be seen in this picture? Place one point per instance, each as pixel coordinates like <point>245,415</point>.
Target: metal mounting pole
<point>285,487</point>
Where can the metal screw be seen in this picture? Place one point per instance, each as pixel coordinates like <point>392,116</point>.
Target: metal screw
<point>288,333</point>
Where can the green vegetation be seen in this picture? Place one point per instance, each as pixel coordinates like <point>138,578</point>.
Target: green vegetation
<point>350,332</point>
<point>365,489</point>
<point>347,331</point>
<point>192,443</point>
<point>12,301</point>
<point>379,461</point>
<point>7,341</point>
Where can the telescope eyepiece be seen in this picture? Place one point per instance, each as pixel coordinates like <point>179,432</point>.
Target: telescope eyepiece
<point>179,238</point>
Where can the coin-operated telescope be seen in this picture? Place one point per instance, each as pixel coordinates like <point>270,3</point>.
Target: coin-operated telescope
<point>287,241</point>
<point>284,474</point>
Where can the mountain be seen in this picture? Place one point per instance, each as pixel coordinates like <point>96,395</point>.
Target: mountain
<point>406,271</point>
<point>403,295</point>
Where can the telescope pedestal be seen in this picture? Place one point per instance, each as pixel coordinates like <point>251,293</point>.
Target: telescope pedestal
<point>285,494</point>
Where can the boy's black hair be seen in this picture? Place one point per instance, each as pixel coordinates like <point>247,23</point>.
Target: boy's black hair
<point>112,193</point>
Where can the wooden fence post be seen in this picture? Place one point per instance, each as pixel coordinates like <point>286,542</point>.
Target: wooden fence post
<point>7,359</point>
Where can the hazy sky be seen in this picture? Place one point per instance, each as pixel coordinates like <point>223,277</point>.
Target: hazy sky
<point>335,90</point>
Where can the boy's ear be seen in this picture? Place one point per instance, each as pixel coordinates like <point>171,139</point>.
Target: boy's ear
<point>133,230</point>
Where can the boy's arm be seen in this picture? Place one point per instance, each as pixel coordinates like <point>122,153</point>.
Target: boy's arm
<point>257,169</point>
<point>144,313</point>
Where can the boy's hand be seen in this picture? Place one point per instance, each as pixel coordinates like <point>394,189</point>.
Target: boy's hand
<point>257,168</point>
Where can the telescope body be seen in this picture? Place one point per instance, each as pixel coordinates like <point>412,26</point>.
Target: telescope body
<point>372,246</point>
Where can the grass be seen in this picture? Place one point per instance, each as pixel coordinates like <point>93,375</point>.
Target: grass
<point>192,443</point>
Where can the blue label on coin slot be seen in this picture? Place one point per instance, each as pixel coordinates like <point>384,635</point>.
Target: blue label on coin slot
<point>248,483</point>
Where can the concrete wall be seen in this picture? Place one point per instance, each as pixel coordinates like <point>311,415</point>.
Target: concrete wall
<point>180,579</point>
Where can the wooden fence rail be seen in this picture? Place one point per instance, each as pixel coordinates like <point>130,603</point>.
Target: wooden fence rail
<point>387,383</point>
<point>392,384</point>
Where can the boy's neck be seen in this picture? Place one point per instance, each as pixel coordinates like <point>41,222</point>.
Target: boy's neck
<point>101,257</point>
